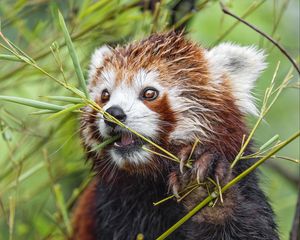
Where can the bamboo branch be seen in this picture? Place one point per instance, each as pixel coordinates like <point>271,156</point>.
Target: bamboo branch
<point>284,52</point>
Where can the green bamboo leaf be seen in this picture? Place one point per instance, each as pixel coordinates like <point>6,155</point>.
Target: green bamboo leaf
<point>22,54</point>
<point>72,53</point>
<point>32,103</point>
<point>269,142</point>
<point>63,99</point>
<point>66,110</point>
<point>8,57</point>
<point>76,91</point>
<point>43,112</point>
<point>15,58</point>
<point>105,143</point>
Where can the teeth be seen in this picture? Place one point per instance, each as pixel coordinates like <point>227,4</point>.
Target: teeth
<point>117,145</point>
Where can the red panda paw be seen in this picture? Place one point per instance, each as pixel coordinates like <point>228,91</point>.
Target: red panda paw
<point>199,174</point>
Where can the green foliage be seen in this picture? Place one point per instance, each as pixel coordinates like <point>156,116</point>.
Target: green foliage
<point>42,167</point>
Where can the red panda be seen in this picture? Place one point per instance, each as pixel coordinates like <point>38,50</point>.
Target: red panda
<point>172,91</point>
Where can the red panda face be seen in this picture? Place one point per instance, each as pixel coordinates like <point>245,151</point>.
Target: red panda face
<point>133,98</point>
<point>169,90</point>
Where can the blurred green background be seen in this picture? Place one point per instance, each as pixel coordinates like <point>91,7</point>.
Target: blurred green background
<point>38,157</point>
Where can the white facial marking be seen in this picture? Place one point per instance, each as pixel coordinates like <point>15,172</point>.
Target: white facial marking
<point>140,118</point>
<point>242,65</point>
<point>145,78</point>
<point>138,157</point>
<point>107,81</point>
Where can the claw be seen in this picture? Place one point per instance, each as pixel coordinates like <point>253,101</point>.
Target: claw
<point>181,165</point>
<point>175,189</point>
<point>200,172</point>
<point>184,155</point>
<point>174,184</point>
<point>198,175</point>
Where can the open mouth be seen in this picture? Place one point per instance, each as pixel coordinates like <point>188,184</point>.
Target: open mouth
<point>128,142</point>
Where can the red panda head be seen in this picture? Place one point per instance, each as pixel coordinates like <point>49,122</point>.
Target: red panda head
<point>171,91</point>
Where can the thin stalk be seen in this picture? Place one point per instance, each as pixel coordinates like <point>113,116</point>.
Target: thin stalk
<point>62,207</point>
<point>275,43</point>
<point>73,54</point>
<point>288,159</point>
<point>12,212</point>
<point>55,52</point>
<point>264,110</point>
<point>193,148</point>
<point>162,155</point>
<point>163,200</point>
<point>102,145</point>
<point>172,196</point>
<point>241,152</point>
<point>254,6</point>
<point>186,194</point>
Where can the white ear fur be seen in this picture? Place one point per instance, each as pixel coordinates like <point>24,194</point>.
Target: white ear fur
<point>97,59</point>
<point>242,65</point>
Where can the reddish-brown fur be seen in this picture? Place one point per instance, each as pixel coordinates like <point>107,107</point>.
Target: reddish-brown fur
<point>163,108</point>
<point>83,216</point>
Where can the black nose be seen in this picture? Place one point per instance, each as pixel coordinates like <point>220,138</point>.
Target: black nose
<point>117,113</point>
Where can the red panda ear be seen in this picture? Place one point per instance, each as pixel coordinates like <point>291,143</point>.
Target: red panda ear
<point>242,65</point>
<point>97,59</point>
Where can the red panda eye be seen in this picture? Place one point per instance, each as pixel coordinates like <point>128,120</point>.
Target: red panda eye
<point>149,94</point>
<point>105,95</point>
